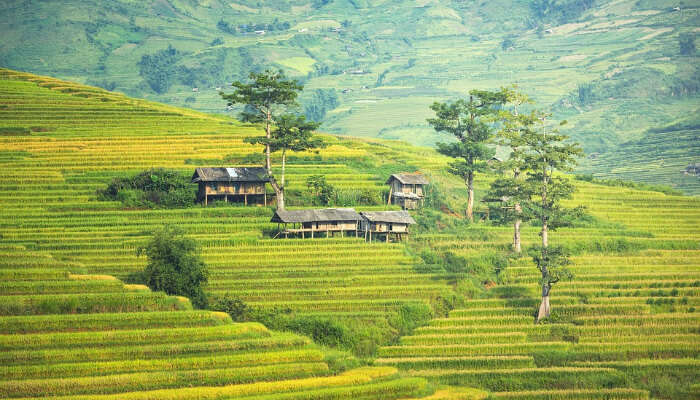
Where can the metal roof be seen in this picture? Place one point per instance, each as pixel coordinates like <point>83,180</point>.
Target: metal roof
<point>394,217</point>
<point>409,179</point>
<point>232,174</point>
<point>326,214</point>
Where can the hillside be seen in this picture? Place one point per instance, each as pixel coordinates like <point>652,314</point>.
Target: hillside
<point>613,68</point>
<point>70,329</point>
<point>626,326</point>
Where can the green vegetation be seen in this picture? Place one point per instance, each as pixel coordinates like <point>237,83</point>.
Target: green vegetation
<point>614,69</point>
<point>153,188</point>
<point>175,266</point>
<point>265,99</point>
<point>625,327</point>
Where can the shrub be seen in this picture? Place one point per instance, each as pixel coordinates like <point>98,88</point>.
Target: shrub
<point>321,191</point>
<point>154,188</point>
<point>324,331</point>
<point>233,306</point>
<point>174,265</point>
<point>411,316</point>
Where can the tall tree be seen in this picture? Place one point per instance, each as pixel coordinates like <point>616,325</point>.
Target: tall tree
<point>546,153</point>
<point>470,122</point>
<point>290,133</point>
<point>508,192</point>
<point>268,95</point>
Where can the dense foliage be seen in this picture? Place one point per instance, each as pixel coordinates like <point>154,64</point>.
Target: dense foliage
<point>160,69</point>
<point>175,266</point>
<point>153,188</point>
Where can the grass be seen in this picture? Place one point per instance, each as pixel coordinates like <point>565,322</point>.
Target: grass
<point>626,325</point>
<point>624,55</point>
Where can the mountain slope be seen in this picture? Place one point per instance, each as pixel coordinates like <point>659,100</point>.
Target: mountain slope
<point>627,323</point>
<point>68,327</point>
<point>612,68</point>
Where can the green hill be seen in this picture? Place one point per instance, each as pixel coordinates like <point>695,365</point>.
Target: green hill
<point>614,69</point>
<point>625,327</point>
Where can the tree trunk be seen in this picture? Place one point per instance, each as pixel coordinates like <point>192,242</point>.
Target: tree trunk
<point>516,234</point>
<point>268,134</point>
<point>279,193</point>
<point>545,238</point>
<point>470,198</point>
<point>518,210</point>
<point>284,164</point>
<point>544,310</point>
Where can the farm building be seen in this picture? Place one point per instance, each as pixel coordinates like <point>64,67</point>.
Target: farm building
<point>407,190</point>
<point>385,223</point>
<point>231,184</point>
<point>328,221</point>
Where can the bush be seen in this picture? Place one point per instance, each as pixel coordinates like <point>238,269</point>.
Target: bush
<point>233,306</point>
<point>324,331</point>
<point>174,265</point>
<point>154,188</point>
<point>410,316</point>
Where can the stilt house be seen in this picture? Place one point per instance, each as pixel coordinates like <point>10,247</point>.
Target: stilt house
<point>313,222</point>
<point>407,190</point>
<point>386,224</point>
<point>246,185</point>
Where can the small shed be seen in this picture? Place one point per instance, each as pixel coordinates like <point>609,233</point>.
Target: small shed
<point>407,190</point>
<point>328,221</point>
<point>234,184</point>
<point>386,223</point>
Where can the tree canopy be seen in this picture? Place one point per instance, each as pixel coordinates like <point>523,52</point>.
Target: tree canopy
<point>174,265</point>
<point>471,123</point>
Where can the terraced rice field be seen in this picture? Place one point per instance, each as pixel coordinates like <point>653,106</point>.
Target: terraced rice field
<point>625,328</point>
<point>64,335</point>
<point>70,328</point>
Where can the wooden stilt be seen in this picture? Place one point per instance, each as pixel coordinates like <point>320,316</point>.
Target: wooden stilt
<point>265,198</point>
<point>370,236</point>
<point>312,233</point>
<point>245,199</point>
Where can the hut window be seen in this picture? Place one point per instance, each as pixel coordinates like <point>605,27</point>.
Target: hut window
<point>214,186</point>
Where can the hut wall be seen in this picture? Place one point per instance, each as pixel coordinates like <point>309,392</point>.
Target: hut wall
<point>409,204</point>
<point>235,188</point>
<point>396,186</point>
<point>399,228</point>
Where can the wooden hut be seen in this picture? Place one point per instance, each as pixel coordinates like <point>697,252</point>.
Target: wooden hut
<point>237,184</point>
<point>328,220</point>
<point>385,223</point>
<point>407,190</point>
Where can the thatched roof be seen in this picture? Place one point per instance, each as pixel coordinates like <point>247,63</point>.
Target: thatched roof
<point>394,217</point>
<point>234,174</point>
<point>322,215</point>
<point>409,179</point>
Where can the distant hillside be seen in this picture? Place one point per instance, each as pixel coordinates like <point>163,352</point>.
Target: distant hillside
<point>371,67</point>
<point>661,156</point>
